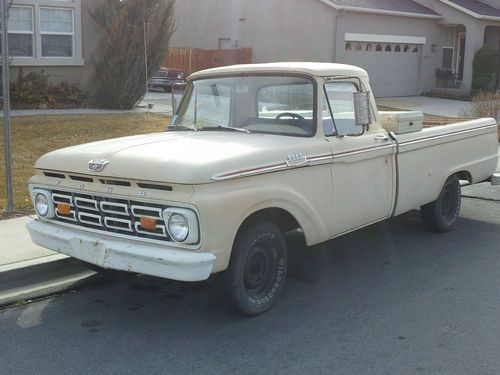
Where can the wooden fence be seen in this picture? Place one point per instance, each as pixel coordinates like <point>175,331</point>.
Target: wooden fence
<point>191,60</point>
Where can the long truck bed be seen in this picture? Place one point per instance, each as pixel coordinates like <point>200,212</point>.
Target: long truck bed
<point>426,158</point>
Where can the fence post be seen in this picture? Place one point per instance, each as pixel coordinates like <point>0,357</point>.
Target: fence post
<point>6,105</point>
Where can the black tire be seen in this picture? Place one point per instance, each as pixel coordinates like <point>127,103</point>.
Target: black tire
<point>442,214</point>
<point>257,269</point>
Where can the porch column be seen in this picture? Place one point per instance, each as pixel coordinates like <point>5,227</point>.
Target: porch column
<point>474,40</point>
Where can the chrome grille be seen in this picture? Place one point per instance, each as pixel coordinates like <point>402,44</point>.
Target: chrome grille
<point>110,214</point>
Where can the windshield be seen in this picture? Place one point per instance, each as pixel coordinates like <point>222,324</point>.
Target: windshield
<point>257,104</point>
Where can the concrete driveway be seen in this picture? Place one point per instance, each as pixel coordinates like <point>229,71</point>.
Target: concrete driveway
<point>432,106</point>
<point>161,101</point>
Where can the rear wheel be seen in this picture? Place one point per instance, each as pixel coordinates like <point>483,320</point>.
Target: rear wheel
<point>442,214</point>
<point>257,270</point>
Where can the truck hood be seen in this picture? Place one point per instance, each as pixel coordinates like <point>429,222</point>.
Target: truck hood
<point>178,156</point>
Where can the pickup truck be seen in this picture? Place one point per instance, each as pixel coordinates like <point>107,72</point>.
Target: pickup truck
<point>253,152</point>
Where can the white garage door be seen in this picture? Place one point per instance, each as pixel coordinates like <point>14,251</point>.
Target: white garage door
<point>393,67</point>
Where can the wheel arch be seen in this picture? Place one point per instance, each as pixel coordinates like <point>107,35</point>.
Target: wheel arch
<point>287,217</point>
<point>283,219</point>
<point>463,175</point>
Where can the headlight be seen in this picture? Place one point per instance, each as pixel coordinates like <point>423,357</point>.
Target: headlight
<point>182,225</point>
<point>178,227</point>
<point>41,204</point>
<point>42,200</point>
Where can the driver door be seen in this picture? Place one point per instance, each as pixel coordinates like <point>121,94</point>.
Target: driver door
<point>363,167</point>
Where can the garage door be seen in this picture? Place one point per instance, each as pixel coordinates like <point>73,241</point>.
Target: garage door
<point>393,67</point>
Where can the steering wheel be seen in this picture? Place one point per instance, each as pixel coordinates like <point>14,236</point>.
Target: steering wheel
<point>289,114</point>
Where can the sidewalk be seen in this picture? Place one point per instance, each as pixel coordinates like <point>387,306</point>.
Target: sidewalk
<point>429,105</point>
<point>29,271</point>
<point>158,101</point>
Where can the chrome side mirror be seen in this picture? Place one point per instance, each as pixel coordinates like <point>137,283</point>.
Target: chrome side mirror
<point>362,112</point>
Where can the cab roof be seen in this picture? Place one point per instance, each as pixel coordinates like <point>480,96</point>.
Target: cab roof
<point>309,68</point>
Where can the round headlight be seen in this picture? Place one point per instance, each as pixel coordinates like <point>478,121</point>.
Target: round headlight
<point>178,227</point>
<point>41,204</point>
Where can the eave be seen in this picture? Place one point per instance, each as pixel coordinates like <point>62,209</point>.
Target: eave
<point>348,8</point>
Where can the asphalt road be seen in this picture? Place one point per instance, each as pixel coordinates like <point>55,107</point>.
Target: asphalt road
<point>389,299</point>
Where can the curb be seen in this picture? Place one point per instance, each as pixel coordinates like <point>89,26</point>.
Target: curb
<point>40,277</point>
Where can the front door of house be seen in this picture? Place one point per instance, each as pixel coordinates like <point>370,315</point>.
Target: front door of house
<point>461,55</point>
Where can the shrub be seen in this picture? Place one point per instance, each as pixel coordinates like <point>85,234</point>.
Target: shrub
<point>486,104</point>
<point>120,70</point>
<point>485,65</point>
<point>34,90</point>
<point>486,60</point>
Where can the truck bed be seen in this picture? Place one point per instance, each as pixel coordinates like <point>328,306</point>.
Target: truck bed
<point>425,159</point>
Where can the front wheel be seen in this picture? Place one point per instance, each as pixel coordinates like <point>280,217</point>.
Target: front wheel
<point>257,270</point>
<point>442,214</point>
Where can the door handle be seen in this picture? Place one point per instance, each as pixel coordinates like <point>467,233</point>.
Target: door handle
<point>381,138</point>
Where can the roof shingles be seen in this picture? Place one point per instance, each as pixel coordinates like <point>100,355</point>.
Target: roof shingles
<point>404,6</point>
<point>478,7</point>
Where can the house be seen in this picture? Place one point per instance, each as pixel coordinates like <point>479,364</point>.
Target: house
<point>405,45</point>
<point>56,36</point>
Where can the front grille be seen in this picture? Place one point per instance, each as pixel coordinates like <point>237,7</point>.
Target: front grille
<point>110,214</point>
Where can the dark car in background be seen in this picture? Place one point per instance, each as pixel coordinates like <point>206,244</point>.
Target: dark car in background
<point>165,78</point>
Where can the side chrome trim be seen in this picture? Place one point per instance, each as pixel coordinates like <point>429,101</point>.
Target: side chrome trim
<point>275,167</point>
<point>272,167</point>
<point>251,171</point>
<point>439,136</point>
<point>321,157</point>
<point>361,151</point>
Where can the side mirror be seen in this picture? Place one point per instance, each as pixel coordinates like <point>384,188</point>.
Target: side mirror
<point>362,112</point>
<point>176,89</point>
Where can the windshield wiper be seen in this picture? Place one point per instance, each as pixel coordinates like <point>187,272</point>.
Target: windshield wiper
<point>225,128</point>
<point>181,127</point>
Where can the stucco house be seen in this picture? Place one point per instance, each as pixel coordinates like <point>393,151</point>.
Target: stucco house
<point>56,36</point>
<point>402,43</point>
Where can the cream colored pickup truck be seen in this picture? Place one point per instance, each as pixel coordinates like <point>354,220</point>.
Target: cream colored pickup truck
<point>253,151</point>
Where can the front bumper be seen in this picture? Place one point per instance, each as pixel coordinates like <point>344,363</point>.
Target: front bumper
<point>124,255</point>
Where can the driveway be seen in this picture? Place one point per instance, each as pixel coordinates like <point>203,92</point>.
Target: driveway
<point>161,101</point>
<point>432,106</point>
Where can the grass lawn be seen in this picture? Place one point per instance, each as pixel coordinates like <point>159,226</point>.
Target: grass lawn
<point>33,136</point>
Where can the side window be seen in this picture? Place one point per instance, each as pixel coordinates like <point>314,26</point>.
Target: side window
<point>340,97</point>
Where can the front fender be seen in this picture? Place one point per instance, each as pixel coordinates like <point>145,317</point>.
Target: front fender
<point>224,206</point>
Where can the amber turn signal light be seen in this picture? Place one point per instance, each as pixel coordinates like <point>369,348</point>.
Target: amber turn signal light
<point>63,209</point>
<point>148,223</point>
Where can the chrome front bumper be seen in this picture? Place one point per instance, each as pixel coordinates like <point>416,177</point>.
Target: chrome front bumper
<point>121,254</point>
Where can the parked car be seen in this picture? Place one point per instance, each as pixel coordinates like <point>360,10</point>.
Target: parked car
<point>253,152</point>
<point>165,78</point>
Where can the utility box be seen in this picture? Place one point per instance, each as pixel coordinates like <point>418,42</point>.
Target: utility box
<point>402,122</point>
